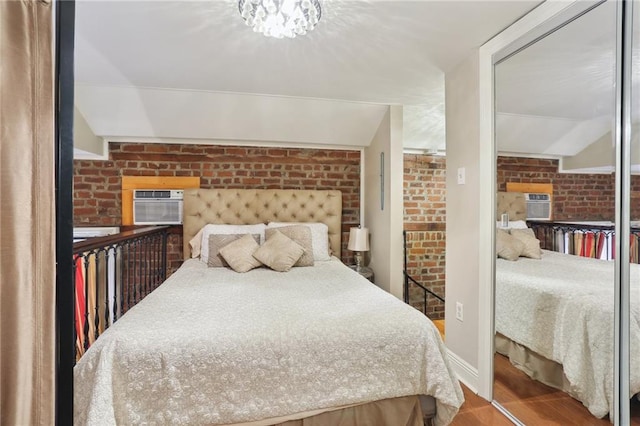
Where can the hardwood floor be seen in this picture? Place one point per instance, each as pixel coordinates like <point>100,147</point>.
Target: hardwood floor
<point>534,403</point>
<point>477,412</point>
<point>440,326</point>
<point>531,402</point>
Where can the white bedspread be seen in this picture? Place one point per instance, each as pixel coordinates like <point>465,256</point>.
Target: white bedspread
<point>211,346</point>
<point>562,308</point>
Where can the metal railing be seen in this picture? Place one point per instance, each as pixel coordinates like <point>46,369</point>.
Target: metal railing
<point>409,281</point>
<point>584,239</point>
<point>112,274</point>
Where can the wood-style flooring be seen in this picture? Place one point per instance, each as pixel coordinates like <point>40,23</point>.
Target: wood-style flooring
<point>532,402</point>
<point>477,412</point>
<point>440,326</point>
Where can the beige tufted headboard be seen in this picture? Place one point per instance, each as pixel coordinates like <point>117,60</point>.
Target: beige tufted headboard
<point>512,203</point>
<point>250,206</point>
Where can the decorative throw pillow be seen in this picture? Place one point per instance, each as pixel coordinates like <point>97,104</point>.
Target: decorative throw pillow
<point>531,245</point>
<point>300,234</point>
<point>507,246</point>
<point>279,252</point>
<point>217,228</point>
<point>319,237</point>
<point>239,254</point>
<point>216,242</point>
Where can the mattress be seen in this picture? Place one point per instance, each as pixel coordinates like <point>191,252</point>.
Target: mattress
<point>561,307</point>
<point>211,346</point>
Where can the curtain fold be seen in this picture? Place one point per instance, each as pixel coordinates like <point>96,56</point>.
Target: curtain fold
<point>27,214</point>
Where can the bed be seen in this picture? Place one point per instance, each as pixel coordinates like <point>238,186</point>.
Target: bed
<point>554,320</point>
<point>319,343</point>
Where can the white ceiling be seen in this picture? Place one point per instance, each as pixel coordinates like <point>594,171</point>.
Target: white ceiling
<point>369,52</point>
<point>557,96</point>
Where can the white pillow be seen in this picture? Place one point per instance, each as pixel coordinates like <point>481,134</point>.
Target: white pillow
<point>518,224</point>
<point>214,228</point>
<point>319,237</point>
<point>513,224</point>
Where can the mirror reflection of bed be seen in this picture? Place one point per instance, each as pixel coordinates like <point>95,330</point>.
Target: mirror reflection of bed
<point>554,324</point>
<point>554,360</point>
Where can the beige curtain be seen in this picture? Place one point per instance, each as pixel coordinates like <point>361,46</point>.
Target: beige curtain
<point>27,239</point>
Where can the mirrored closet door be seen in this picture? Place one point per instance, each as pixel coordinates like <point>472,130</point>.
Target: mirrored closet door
<point>633,63</point>
<point>561,251</point>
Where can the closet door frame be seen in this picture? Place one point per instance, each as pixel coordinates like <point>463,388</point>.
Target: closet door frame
<point>622,293</point>
<point>533,26</point>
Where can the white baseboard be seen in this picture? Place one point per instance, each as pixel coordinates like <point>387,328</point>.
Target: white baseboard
<point>466,373</point>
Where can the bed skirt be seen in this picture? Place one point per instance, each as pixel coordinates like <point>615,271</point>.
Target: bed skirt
<point>412,410</point>
<point>533,364</point>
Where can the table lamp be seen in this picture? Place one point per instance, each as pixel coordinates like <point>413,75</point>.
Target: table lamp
<point>359,243</point>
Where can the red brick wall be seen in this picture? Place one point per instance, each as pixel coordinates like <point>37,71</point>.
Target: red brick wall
<point>424,221</point>
<point>97,184</point>
<point>575,196</point>
<point>97,190</point>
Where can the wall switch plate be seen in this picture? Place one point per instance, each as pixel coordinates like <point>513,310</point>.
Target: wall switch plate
<point>459,311</point>
<point>461,173</point>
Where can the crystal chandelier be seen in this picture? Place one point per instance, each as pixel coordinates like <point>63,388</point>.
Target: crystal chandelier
<point>280,18</point>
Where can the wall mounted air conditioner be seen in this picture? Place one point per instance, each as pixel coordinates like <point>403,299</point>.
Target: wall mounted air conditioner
<point>157,206</point>
<point>538,206</point>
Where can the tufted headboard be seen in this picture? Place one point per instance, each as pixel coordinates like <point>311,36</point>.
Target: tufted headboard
<point>250,206</point>
<point>512,203</point>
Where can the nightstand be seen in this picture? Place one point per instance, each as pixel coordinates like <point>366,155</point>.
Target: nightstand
<point>364,271</point>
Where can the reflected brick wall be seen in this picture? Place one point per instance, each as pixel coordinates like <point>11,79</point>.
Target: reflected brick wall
<point>576,196</point>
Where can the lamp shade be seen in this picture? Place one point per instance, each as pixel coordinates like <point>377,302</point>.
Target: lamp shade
<point>358,239</point>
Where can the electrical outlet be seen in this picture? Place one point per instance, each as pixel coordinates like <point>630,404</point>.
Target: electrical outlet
<point>459,311</point>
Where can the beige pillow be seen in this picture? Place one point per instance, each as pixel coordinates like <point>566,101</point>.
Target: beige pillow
<point>319,237</point>
<point>507,246</point>
<point>220,228</point>
<point>531,244</point>
<point>279,252</point>
<point>216,242</point>
<point>300,234</point>
<point>239,254</point>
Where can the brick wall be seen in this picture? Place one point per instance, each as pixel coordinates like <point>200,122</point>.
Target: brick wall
<point>424,221</point>
<point>97,190</point>
<point>575,196</point>
<point>97,184</point>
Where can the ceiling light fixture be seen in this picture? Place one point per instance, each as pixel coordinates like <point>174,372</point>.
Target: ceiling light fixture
<point>280,18</point>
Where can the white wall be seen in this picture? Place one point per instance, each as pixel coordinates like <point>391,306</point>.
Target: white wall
<point>385,225</point>
<point>123,113</point>
<point>462,130</point>
<point>83,137</point>
<point>600,154</point>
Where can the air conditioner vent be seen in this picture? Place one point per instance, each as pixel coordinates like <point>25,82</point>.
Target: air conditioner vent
<point>538,206</point>
<point>157,207</point>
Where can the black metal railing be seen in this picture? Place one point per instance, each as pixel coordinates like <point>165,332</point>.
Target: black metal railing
<point>111,275</point>
<point>410,282</point>
<point>584,239</point>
